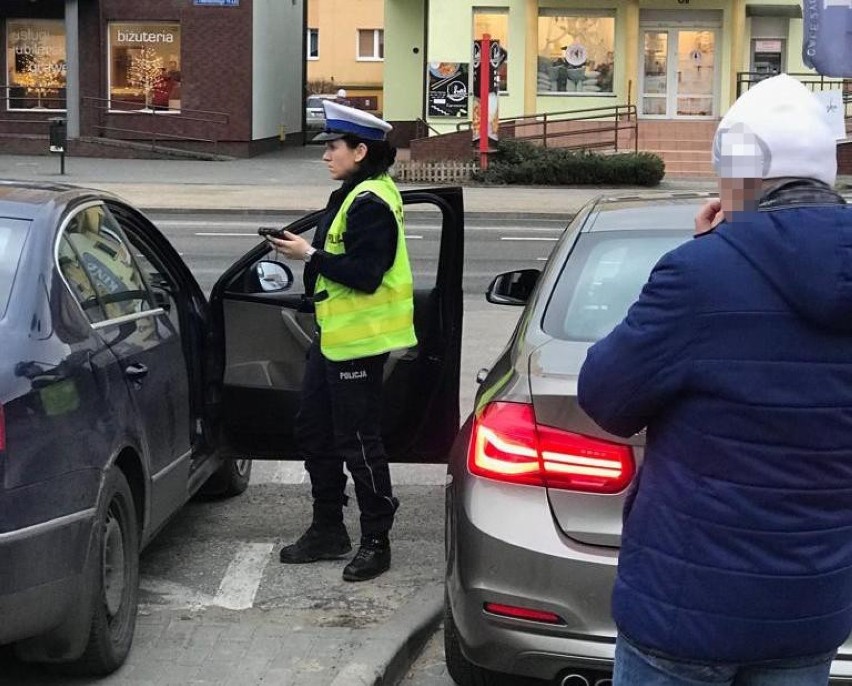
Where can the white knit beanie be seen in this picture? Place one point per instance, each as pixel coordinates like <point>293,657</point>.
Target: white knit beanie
<point>776,128</point>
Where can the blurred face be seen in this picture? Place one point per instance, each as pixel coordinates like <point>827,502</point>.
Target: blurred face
<point>739,195</point>
<point>341,160</point>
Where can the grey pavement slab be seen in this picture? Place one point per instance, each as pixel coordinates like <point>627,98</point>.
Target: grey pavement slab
<point>305,627</point>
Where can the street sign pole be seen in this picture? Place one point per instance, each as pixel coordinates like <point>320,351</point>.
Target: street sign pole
<point>484,93</point>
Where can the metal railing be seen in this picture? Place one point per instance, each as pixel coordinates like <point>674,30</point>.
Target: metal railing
<point>27,112</point>
<point>424,128</point>
<point>155,125</point>
<point>607,128</point>
<point>816,82</point>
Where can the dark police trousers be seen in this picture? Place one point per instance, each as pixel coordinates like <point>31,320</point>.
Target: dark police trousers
<point>339,421</point>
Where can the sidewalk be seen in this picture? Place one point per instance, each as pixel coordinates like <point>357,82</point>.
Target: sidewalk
<point>292,180</point>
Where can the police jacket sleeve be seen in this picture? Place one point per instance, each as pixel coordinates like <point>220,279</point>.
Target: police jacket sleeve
<point>633,373</point>
<point>370,241</point>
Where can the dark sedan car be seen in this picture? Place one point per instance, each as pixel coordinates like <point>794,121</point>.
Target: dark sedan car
<point>124,391</point>
<point>537,489</point>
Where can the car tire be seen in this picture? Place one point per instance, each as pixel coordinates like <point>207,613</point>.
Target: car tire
<point>230,480</point>
<point>116,581</point>
<point>462,670</point>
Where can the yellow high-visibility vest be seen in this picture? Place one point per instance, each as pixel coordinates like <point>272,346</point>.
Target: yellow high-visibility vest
<point>354,324</point>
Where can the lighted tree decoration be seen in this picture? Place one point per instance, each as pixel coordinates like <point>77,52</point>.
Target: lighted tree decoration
<point>144,71</point>
<point>40,77</point>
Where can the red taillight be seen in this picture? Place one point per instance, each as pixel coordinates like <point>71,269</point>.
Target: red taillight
<point>2,429</point>
<point>523,613</point>
<point>507,445</point>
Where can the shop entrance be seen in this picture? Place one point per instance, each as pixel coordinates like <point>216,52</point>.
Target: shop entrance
<point>678,74</point>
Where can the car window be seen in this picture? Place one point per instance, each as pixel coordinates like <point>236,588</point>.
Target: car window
<point>602,277</point>
<point>97,242</point>
<point>158,277</point>
<point>314,102</point>
<point>78,279</point>
<point>13,233</point>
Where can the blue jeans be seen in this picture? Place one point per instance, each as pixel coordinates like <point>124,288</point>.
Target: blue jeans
<point>634,667</point>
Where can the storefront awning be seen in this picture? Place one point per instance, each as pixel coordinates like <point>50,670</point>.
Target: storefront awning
<point>789,11</point>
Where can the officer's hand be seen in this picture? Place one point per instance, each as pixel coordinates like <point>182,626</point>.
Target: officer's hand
<point>290,245</point>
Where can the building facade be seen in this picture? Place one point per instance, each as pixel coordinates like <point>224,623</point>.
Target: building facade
<point>345,49</point>
<point>675,59</point>
<point>216,75</point>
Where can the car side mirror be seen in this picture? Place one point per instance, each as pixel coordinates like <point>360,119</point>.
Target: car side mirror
<point>274,277</point>
<point>513,288</point>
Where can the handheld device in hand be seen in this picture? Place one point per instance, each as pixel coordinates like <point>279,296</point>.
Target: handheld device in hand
<point>270,231</point>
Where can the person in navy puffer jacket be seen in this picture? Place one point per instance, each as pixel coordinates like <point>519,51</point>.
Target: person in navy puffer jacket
<point>736,560</point>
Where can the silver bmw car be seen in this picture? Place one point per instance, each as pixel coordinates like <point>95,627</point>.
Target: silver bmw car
<point>535,489</point>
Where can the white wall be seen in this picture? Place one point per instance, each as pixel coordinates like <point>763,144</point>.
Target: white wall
<point>277,57</point>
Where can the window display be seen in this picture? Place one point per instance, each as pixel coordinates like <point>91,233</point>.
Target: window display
<point>35,58</point>
<point>144,66</point>
<point>575,53</point>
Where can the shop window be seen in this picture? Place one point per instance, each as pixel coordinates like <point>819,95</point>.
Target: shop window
<point>496,24</point>
<point>35,55</point>
<point>575,52</point>
<point>371,44</point>
<point>144,66</point>
<point>312,40</point>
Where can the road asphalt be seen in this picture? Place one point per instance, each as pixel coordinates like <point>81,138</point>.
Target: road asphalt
<point>290,180</point>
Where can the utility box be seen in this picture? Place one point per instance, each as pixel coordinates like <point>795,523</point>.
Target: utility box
<point>58,134</point>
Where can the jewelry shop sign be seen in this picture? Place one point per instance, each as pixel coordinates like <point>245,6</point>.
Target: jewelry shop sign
<point>216,3</point>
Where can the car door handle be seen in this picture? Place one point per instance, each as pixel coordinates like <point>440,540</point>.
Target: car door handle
<point>136,372</point>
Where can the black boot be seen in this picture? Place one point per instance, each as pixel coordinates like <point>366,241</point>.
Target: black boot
<point>322,541</point>
<point>372,559</point>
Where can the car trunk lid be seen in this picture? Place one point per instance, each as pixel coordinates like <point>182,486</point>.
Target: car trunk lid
<point>590,518</point>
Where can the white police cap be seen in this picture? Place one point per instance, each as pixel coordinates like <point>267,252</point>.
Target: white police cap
<point>341,121</point>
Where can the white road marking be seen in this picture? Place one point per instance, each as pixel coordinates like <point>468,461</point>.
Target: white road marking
<point>528,238</point>
<point>223,234</point>
<point>272,472</point>
<point>242,578</point>
<point>542,259</point>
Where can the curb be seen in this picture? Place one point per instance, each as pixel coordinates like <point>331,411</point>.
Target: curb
<point>384,657</point>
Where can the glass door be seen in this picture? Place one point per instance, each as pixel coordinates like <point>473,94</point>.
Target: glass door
<point>678,78</point>
<point>696,73</point>
<point>655,74</point>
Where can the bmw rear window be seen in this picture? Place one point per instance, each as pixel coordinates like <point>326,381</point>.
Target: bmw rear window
<point>602,278</point>
<point>13,233</point>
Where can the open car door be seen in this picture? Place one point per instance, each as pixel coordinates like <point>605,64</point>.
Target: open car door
<point>262,330</point>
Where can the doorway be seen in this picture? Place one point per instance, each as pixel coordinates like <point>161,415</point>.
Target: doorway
<point>678,77</point>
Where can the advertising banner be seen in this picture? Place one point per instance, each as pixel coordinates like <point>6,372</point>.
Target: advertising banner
<point>827,41</point>
<point>497,56</point>
<point>448,89</point>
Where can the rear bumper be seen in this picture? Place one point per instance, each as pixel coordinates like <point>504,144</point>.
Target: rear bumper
<point>531,564</point>
<point>41,567</point>
<point>506,549</point>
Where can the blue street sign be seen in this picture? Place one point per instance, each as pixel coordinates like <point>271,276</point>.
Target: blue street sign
<point>217,3</point>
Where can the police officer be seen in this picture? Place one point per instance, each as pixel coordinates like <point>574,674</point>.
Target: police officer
<point>360,278</point>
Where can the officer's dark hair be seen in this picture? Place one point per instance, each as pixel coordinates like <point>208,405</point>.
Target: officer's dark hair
<point>380,156</point>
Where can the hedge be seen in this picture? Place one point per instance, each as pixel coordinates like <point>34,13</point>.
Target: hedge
<point>524,163</point>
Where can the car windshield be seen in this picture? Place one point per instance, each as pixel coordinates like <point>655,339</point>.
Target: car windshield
<point>601,279</point>
<point>13,233</point>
